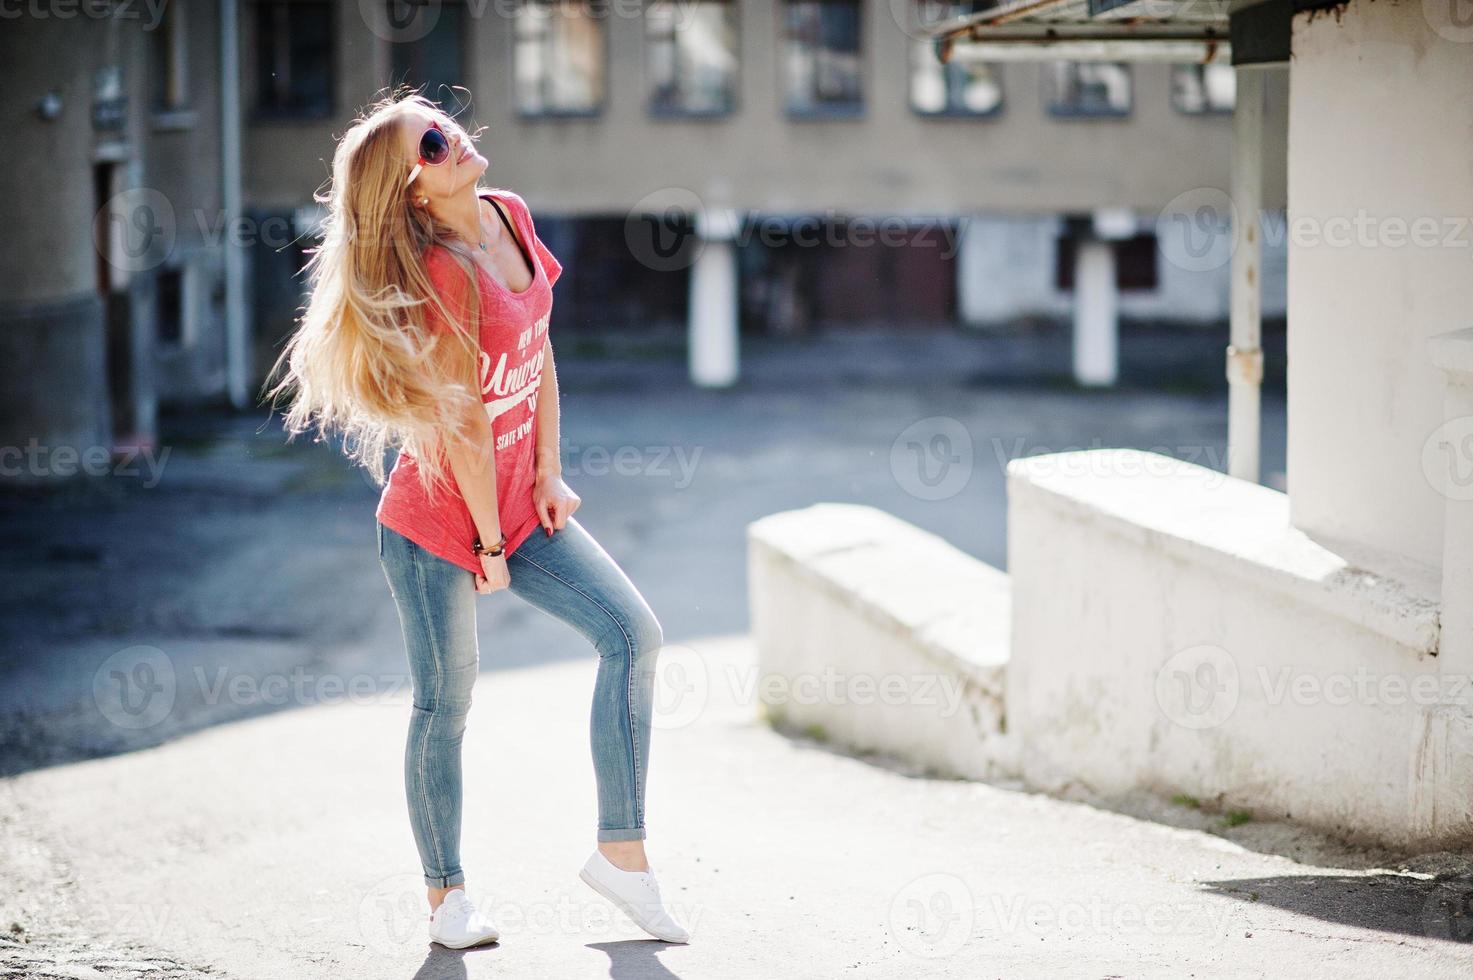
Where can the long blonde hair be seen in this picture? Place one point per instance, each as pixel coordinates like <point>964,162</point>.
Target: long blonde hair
<point>362,362</point>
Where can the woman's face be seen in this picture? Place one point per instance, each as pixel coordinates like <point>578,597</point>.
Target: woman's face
<point>443,181</point>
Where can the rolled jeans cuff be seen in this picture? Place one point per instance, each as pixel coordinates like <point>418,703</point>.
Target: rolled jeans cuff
<point>445,881</point>
<point>629,833</point>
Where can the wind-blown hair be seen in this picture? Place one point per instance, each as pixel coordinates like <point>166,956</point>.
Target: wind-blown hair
<point>364,362</point>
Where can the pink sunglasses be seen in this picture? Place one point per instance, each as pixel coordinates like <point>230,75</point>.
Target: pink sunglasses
<point>434,149</point>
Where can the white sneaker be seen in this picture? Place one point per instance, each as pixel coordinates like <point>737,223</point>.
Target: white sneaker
<point>458,924</point>
<point>637,894</point>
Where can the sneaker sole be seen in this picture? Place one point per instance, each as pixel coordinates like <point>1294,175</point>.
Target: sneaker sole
<point>467,945</point>
<point>623,906</point>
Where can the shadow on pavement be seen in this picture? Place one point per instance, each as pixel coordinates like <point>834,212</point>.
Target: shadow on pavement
<point>636,959</point>
<point>448,964</point>
<point>1434,908</point>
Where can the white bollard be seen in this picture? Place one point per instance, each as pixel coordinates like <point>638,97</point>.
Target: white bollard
<point>714,341</point>
<point>1096,320</point>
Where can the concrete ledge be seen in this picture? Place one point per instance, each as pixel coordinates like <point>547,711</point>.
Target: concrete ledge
<point>1173,633</point>
<point>882,636</point>
<point>1235,528</point>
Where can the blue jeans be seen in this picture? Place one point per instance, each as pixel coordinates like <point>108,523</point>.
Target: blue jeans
<point>569,576</point>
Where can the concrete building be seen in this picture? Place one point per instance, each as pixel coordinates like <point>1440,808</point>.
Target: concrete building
<point>714,166</point>
<point>1173,629</point>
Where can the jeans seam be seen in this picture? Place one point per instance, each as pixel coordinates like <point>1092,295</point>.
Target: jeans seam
<point>419,774</point>
<point>628,680</point>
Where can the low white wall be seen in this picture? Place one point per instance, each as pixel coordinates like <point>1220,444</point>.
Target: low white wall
<point>878,636</point>
<point>1173,632</point>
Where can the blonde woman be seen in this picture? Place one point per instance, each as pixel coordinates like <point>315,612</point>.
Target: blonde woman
<point>426,331</point>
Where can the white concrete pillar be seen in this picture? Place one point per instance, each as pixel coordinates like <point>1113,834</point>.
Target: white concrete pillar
<point>1245,351</point>
<point>1096,321</point>
<point>714,347</point>
<point>1378,264</point>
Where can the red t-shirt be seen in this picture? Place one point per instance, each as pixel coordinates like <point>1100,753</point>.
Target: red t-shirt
<point>513,332</point>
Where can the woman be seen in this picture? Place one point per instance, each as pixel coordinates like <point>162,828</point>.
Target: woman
<point>426,330</point>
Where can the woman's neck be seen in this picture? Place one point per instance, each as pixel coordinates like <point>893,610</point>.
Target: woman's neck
<point>462,214</point>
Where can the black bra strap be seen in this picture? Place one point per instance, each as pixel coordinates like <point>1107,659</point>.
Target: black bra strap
<point>520,247</point>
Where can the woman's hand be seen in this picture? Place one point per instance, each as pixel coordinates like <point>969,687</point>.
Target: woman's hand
<point>555,502</point>
<point>494,574</point>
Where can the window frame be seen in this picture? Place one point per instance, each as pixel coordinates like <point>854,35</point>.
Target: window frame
<point>533,115</point>
<point>824,113</point>
<point>264,114</point>
<point>467,63</point>
<point>661,113</point>
<point>1210,111</point>
<point>1057,110</point>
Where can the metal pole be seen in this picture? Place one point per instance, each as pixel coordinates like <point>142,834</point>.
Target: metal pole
<point>237,329</point>
<point>1245,353</point>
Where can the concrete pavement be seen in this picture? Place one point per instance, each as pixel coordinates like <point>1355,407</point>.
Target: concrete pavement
<point>279,847</point>
<point>255,828</point>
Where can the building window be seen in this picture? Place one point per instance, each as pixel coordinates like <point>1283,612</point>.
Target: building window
<point>957,88</point>
<point>1135,262</point>
<point>559,58</point>
<point>433,59</point>
<point>170,307</point>
<point>820,46</point>
<point>294,59</point>
<point>171,60</point>
<point>1200,89</point>
<point>692,57</point>
<point>1087,88</point>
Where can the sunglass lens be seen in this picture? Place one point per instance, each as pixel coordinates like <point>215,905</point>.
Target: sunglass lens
<point>434,147</point>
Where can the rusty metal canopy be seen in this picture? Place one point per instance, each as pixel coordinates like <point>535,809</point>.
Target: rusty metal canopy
<point>1089,30</point>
